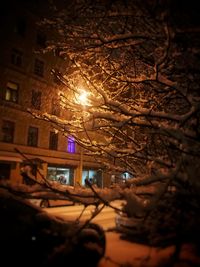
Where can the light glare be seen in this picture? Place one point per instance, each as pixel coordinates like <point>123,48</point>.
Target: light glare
<point>82,98</point>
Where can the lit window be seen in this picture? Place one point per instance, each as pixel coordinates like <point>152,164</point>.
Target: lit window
<point>12,92</point>
<point>61,174</point>
<point>71,145</point>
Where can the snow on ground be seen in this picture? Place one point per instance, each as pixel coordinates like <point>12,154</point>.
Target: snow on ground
<point>124,253</point>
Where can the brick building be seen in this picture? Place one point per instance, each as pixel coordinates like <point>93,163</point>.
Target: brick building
<point>27,82</point>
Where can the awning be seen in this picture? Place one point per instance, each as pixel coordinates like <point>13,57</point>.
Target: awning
<point>10,158</point>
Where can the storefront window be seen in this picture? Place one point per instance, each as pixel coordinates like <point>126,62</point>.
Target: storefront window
<point>61,174</point>
<point>94,177</point>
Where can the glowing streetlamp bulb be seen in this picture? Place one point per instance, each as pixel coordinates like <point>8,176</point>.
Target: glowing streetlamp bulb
<point>83,98</point>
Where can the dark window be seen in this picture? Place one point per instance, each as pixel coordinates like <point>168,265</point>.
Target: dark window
<point>57,76</point>
<point>36,99</point>
<point>32,136</point>
<point>53,141</point>
<point>12,92</point>
<point>20,27</point>
<point>39,67</point>
<point>16,57</point>
<point>71,146</point>
<point>5,169</point>
<point>8,129</point>
<point>41,39</point>
<point>27,173</point>
<point>55,108</point>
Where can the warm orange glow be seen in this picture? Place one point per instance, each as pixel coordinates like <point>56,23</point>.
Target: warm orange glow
<point>82,97</point>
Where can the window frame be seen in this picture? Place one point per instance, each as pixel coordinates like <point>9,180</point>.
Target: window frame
<point>12,92</point>
<point>33,134</point>
<point>53,140</point>
<point>36,99</point>
<point>55,107</point>
<point>71,145</point>
<point>39,67</point>
<point>16,57</point>
<point>8,133</point>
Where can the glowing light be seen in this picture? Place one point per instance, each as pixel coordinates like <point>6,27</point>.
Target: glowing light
<point>82,98</point>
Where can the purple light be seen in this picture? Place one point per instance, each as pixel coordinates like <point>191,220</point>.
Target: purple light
<point>71,145</point>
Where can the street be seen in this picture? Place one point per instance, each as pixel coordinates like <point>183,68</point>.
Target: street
<point>106,218</point>
<point>118,251</point>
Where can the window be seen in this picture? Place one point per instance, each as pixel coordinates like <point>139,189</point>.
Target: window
<point>41,39</point>
<point>71,145</point>
<point>8,129</point>
<point>32,136</point>
<point>55,108</point>
<point>126,175</point>
<point>5,170</point>
<point>57,76</point>
<point>92,176</point>
<point>12,92</point>
<point>39,67</point>
<point>53,141</point>
<point>20,27</point>
<point>16,57</point>
<point>36,99</point>
<point>61,174</point>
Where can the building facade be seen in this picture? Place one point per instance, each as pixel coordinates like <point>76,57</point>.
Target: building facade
<point>27,82</point>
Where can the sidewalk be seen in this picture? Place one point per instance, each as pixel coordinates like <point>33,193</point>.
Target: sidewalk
<point>124,253</point>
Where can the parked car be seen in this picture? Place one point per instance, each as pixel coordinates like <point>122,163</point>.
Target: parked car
<point>47,203</point>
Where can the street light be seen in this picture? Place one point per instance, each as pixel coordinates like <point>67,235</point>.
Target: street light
<point>82,99</point>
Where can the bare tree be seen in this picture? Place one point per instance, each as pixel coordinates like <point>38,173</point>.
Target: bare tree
<point>140,74</point>
<point>139,64</point>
